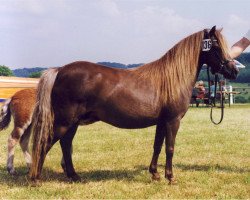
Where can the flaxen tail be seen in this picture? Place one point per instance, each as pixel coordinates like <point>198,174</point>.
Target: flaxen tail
<point>5,115</point>
<point>42,121</point>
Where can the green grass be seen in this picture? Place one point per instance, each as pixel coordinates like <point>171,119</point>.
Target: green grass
<point>209,162</point>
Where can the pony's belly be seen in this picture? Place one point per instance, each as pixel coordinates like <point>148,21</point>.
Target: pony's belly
<point>127,120</point>
<point>130,123</point>
<point>118,119</point>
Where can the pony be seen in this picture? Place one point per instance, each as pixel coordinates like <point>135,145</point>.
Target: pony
<point>157,93</point>
<point>21,106</point>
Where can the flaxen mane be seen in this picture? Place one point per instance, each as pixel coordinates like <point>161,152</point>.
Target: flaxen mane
<point>223,45</point>
<point>171,73</point>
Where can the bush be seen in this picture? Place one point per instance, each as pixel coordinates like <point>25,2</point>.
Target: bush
<point>5,71</point>
<point>241,99</point>
<point>35,74</point>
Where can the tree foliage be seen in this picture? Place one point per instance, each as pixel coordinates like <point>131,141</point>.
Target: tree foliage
<point>35,74</point>
<point>5,71</point>
<point>26,72</point>
<point>119,65</point>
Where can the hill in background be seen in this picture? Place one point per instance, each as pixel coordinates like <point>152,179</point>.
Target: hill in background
<point>26,72</point>
<point>244,75</point>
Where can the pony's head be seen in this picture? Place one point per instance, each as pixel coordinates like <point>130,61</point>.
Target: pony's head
<point>215,54</point>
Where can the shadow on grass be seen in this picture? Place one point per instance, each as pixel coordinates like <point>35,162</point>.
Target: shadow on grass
<point>21,179</point>
<point>129,175</point>
<point>197,167</point>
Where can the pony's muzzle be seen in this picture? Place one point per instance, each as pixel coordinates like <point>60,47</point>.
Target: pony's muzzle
<point>230,71</point>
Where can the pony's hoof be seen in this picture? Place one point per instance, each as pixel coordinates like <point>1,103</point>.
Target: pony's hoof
<point>28,166</point>
<point>172,181</point>
<point>11,171</point>
<point>64,168</point>
<point>75,178</point>
<point>156,177</point>
<point>35,183</point>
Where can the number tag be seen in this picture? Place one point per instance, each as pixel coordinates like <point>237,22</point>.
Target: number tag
<point>206,44</point>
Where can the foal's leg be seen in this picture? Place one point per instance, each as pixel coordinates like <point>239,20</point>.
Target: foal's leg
<point>171,132</point>
<point>66,145</point>
<point>12,141</point>
<point>159,138</point>
<point>24,143</point>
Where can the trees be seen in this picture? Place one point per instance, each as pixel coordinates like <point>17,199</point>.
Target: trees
<point>5,71</point>
<point>35,74</point>
<point>26,72</point>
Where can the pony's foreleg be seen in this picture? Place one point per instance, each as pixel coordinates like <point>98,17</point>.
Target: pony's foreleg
<point>159,138</point>
<point>66,146</point>
<point>24,143</point>
<point>12,141</point>
<point>171,131</point>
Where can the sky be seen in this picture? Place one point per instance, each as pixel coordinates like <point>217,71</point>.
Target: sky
<point>51,33</point>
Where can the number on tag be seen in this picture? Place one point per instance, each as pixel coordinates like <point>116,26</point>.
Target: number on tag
<point>207,45</point>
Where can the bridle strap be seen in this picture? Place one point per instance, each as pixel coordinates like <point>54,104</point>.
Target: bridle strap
<point>209,87</point>
<point>212,102</point>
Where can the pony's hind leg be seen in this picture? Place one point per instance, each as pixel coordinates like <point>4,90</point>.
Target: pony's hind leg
<point>59,133</point>
<point>66,146</point>
<point>24,143</point>
<point>12,141</point>
<point>63,162</point>
<point>41,160</point>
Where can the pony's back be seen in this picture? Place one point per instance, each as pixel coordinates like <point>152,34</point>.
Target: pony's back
<point>20,106</point>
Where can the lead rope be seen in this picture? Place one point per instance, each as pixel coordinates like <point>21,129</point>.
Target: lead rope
<point>212,102</point>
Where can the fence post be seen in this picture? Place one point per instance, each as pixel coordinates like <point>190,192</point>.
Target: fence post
<point>230,94</point>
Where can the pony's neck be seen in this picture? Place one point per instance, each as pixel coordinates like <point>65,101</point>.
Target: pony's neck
<point>174,74</point>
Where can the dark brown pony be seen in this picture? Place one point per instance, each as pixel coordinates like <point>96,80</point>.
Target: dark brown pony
<point>157,93</point>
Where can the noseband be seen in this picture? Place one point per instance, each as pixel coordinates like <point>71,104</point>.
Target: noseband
<point>223,63</point>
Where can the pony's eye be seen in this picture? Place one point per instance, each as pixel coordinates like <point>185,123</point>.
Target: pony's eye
<point>217,48</point>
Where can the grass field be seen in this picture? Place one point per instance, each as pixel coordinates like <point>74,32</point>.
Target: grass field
<point>210,162</point>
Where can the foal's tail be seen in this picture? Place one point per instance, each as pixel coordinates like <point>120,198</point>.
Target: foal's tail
<point>42,122</point>
<point>5,115</point>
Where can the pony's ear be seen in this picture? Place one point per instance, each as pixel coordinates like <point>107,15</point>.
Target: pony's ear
<point>220,29</point>
<point>212,31</point>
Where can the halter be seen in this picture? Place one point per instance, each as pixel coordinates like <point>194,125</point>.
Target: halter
<point>207,45</point>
